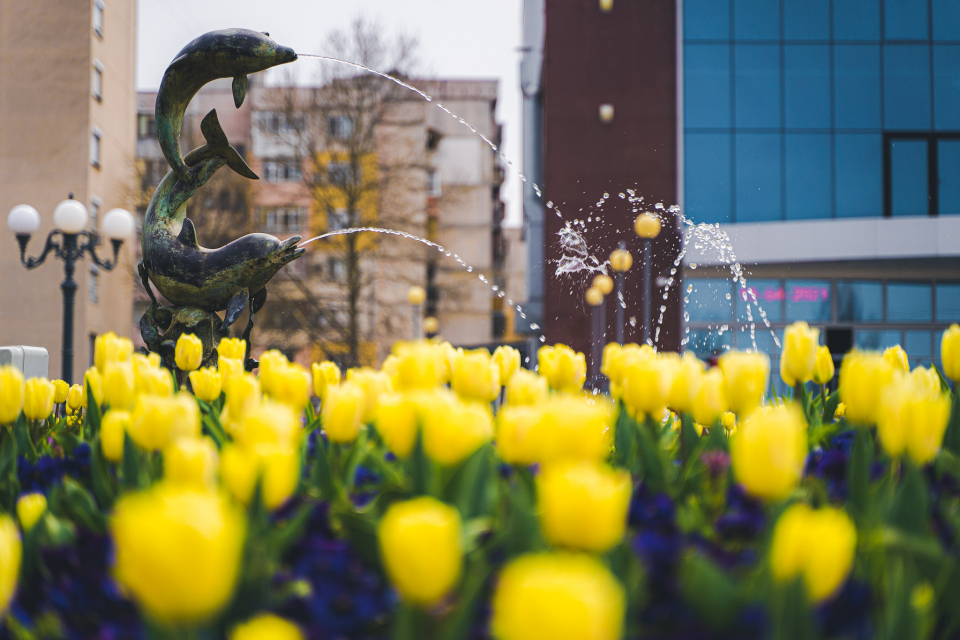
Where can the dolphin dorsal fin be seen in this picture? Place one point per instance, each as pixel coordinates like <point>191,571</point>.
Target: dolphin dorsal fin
<point>212,131</point>
<point>239,90</point>
<point>188,234</point>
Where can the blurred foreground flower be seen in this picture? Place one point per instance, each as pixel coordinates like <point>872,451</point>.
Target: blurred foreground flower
<point>30,507</point>
<point>11,551</point>
<point>475,376</point>
<point>206,383</point>
<point>564,368</point>
<point>950,352</point>
<point>798,359</point>
<point>745,377</point>
<point>38,398</point>
<point>824,369</point>
<point>864,378</point>
<point>769,450</point>
<point>11,393</point>
<point>913,419</point>
<point>266,626</point>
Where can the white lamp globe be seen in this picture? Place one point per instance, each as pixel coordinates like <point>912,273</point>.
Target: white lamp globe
<point>117,224</point>
<point>70,216</point>
<point>23,220</point>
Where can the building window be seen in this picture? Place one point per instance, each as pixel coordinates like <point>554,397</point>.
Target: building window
<point>94,284</point>
<point>92,349</point>
<point>921,172</point>
<point>281,169</point>
<point>336,269</point>
<point>95,136</point>
<point>146,126</point>
<point>94,213</point>
<point>283,219</point>
<point>337,219</point>
<point>98,17</point>
<point>339,174</point>
<point>96,82</point>
<point>433,183</point>
<point>339,127</point>
<point>277,122</point>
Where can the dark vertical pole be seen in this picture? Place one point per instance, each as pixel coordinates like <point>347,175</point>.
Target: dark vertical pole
<point>646,291</point>
<point>619,301</point>
<point>69,288</point>
<point>595,341</point>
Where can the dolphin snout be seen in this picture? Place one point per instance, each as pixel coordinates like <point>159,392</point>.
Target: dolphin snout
<point>285,54</point>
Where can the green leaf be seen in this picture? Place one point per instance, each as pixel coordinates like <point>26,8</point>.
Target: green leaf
<point>858,475</point>
<point>689,439</point>
<point>467,487</point>
<point>103,484</point>
<point>92,417</point>
<point>909,511</point>
<point>457,624</point>
<point>830,406</point>
<point>522,530</point>
<point>8,454</point>
<point>625,442</point>
<point>951,440</point>
<point>418,468</point>
<point>78,505</point>
<point>709,591</point>
<point>650,462</point>
<point>361,531</point>
<point>410,623</point>
<point>717,439</point>
<point>67,440</point>
<point>21,431</point>
<point>321,475</point>
<point>132,478</point>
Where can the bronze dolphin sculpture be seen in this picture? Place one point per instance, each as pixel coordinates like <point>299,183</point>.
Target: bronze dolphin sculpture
<point>184,272</point>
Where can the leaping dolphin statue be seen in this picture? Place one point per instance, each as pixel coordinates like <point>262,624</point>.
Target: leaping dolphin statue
<point>187,274</point>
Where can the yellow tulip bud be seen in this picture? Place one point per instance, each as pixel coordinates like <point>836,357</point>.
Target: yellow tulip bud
<point>30,508</point>
<point>475,376</point>
<point>562,428</point>
<point>816,545</point>
<point>342,412</point>
<point>396,421</point>
<point>453,431</point>
<point>189,352</point>
<point>325,375</point>
<point>646,383</point>
<point>233,348</point>
<point>11,552</point>
<point>74,398</point>
<point>271,423</point>
<point>11,395</point>
<point>421,548</point>
<point>277,468</point>
<point>156,421</point>
<point>912,418</point>
<point>610,362</point>
<point>113,428</point>
<point>242,396</point>
<point>507,360</point>
<point>686,384</point>
<point>417,365</point>
<point>728,421</point>
<point>229,368</point>
<point>205,383</point>
<point>60,391</point>
<point>557,596</point>
<point>897,357</point>
<point>950,352</point>
<point>109,347</point>
<point>840,412</point>
<point>768,451</point>
<point>191,462</point>
<point>178,551</point>
<point>287,383</point>
<point>745,377</point>
<point>799,356</point>
<point>824,369</point>
<point>449,355</point>
<point>373,383</point>
<point>583,504</point>
<point>711,400</point>
<point>37,398</point>
<point>92,382</point>
<point>151,380</point>
<point>863,378</point>
<point>925,378</point>
<point>526,387</point>
<point>118,385</point>
<point>564,368</point>
<point>266,626</point>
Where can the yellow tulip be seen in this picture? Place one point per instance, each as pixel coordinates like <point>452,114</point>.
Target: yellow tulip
<point>864,376</point>
<point>150,360</point>
<point>270,360</point>
<point>768,451</point>
<point>950,352</point>
<point>178,551</point>
<point>233,348</point>
<point>271,423</point>
<point>74,398</point>
<point>242,396</point>
<point>191,462</point>
<point>549,596</point>
<point>396,421</point>
<point>189,352</point>
<point>113,428</point>
<point>897,357</point>
<point>373,383</point>
<point>11,395</point>
<point>610,361</point>
<point>507,360</point>
<point>157,421</point>
<point>526,387</point>
<point>342,412</point>
<point>840,412</point>
<point>616,358</point>
<point>30,508</point>
<point>583,504</point>
<point>266,626</point>
<point>38,398</point>
<point>229,368</point>
<point>92,382</point>
<point>287,383</point>
<point>11,552</point>
<point>277,467</point>
<point>913,418</point>
<point>418,365</point>
<point>728,421</point>
<point>564,368</point>
<point>925,378</point>
<point>449,355</point>
<point>109,347</point>
<point>118,385</point>
<point>646,383</point>
<point>711,400</point>
<point>453,432</point>
<point>151,380</point>
<point>824,369</point>
<point>422,550</point>
<point>205,383</point>
<point>799,357</point>
<point>817,545</point>
<point>686,384</point>
<point>745,377</point>
<point>325,375</point>
<point>562,428</point>
<point>60,391</point>
<point>475,376</point>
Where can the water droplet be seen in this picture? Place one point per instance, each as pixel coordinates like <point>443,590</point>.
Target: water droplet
<point>728,296</point>
<point>686,316</point>
<point>693,265</point>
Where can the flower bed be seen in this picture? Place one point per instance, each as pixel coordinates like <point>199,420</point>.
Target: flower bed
<point>452,494</point>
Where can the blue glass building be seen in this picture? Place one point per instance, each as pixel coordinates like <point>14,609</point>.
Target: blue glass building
<point>824,137</point>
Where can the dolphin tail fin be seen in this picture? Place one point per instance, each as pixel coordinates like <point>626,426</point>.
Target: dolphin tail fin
<point>217,145</point>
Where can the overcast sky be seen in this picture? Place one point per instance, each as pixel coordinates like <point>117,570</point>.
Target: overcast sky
<point>458,39</point>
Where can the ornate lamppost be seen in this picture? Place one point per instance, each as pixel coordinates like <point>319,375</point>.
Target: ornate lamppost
<point>620,261</point>
<point>69,218</point>
<point>647,227</point>
<point>594,298</point>
<point>416,297</point>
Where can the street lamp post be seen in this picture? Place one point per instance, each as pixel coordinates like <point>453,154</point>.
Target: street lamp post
<point>620,261</point>
<point>70,218</point>
<point>416,297</point>
<point>647,227</point>
<point>594,297</point>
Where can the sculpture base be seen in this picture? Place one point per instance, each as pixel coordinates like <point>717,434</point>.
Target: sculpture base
<point>161,327</point>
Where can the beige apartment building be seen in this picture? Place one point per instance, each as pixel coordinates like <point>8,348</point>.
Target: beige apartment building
<point>67,125</point>
<point>444,185</point>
